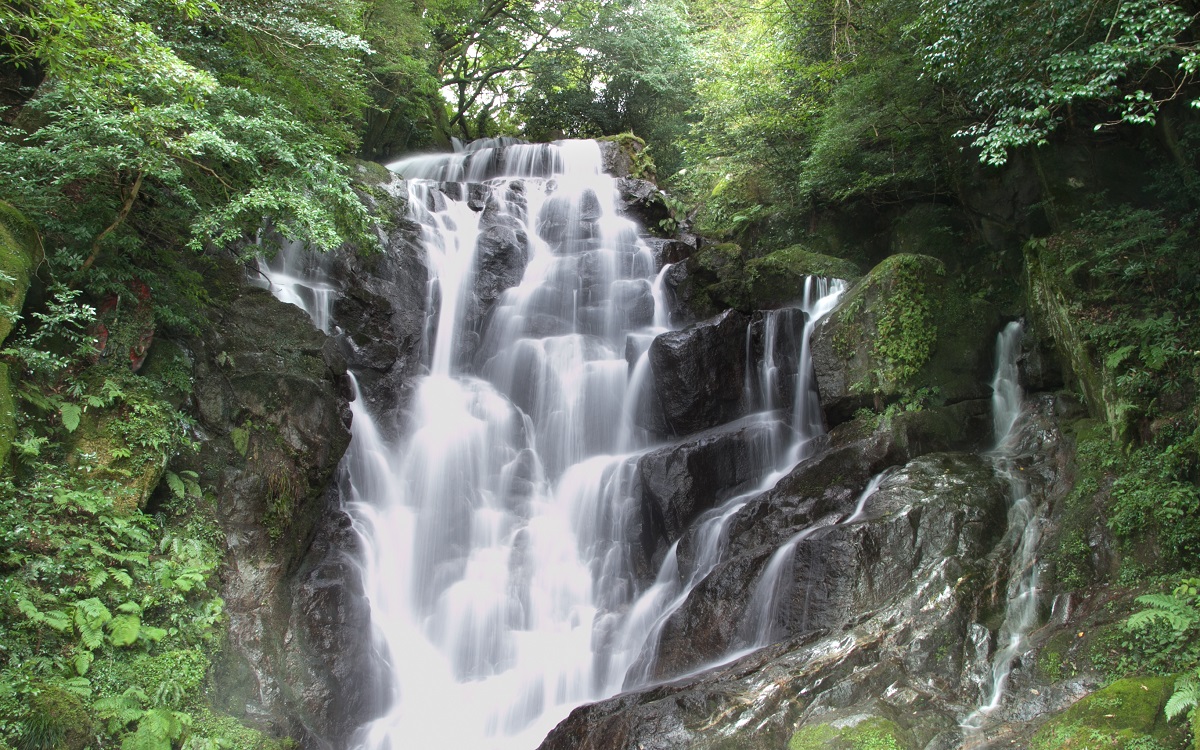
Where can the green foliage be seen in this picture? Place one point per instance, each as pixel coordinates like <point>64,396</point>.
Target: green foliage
<point>1128,276</point>
<point>1125,714</point>
<point>1179,611</point>
<point>1023,67</point>
<point>906,333</point>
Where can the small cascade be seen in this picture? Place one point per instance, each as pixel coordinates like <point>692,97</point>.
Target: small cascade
<point>1024,531</point>
<point>300,277</point>
<point>636,649</point>
<point>765,609</point>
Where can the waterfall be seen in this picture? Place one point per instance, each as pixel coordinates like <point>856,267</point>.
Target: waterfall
<point>498,559</point>
<point>1024,530</point>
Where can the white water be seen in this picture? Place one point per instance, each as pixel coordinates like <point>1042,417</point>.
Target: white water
<point>1024,528</point>
<point>497,558</point>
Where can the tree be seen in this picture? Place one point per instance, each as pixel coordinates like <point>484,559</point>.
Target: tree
<point>1024,67</point>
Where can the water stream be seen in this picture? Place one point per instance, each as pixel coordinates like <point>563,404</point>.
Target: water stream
<point>498,562</point>
<point>1024,531</point>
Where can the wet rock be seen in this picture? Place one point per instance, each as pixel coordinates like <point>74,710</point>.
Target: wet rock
<point>885,613</point>
<point>642,201</point>
<point>936,507</point>
<point>699,374</point>
<point>380,309</point>
<point>632,303</point>
<point>477,196</point>
<point>672,250</point>
<point>271,402</point>
<point>680,482</point>
<point>501,254</point>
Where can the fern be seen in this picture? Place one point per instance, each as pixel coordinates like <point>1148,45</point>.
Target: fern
<point>1177,613</point>
<point>90,618</point>
<point>1185,697</point>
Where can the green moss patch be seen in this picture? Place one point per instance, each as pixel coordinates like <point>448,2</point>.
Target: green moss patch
<point>1126,714</point>
<point>872,733</point>
<point>19,254</point>
<point>778,279</point>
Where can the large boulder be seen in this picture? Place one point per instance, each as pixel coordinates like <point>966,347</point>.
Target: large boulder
<point>939,506</point>
<point>699,375</point>
<point>904,330</point>
<point>892,618</point>
<point>625,155</point>
<point>642,201</point>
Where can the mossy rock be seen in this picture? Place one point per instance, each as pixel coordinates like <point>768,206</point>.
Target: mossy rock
<point>907,330</point>
<point>1053,304</point>
<point>855,733</point>
<point>8,418</point>
<point>777,279</point>
<point>1125,712</point>
<point>99,446</point>
<point>20,252</point>
<point>56,720</point>
<point>930,229</point>
<point>369,172</point>
<point>626,155</point>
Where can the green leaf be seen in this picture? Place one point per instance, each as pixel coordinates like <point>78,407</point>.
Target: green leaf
<point>97,579</point>
<point>70,416</point>
<point>124,629</point>
<point>79,686</point>
<point>178,489</point>
<point>83,661</point>
<point>1184,699</point>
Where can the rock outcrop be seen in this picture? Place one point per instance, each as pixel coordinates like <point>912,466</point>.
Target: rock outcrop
<point>699,375</point>
<point>271,399</point>
<point>901,328</point>
<point>880,625</point>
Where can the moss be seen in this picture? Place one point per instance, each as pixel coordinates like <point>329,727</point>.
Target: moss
<point>1055,306</point>
<point>56,720</point>
<point>874,733</point>
<point>890,312</point>
<point>368,172</point>
<point>20,252</point>
<point>778,279</point>
<point>1127,713</point>
<point>634,151</point>
<point>8,417</point>
<point>128,441</point>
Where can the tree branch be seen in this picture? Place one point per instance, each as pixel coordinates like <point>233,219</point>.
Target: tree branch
<point>124,212</point>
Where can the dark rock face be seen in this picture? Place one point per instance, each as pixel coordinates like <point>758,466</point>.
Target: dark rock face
<point>881,618</point>
<point>380,308</point>
<point>680,482</point>
<point>271,400</point>
<point>699,374</point>
<point>501,254</point>
<point>642,201</point>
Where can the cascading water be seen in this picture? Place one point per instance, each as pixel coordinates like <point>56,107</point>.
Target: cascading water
<point>762,612</point>
<point>495,528</point>
<point>1024,526</point>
